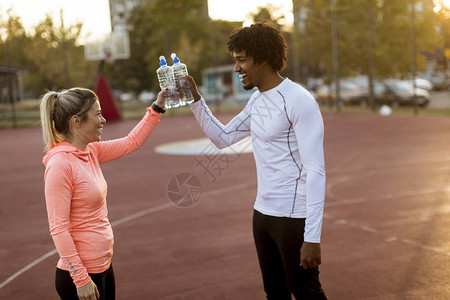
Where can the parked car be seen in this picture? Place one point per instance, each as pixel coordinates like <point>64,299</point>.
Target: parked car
<point>379,93</point>
<point>126,96</point>
<point>401,92</point>
<point>395,92</point>
<point>439,81</point>
<point>147,96</point>
<point>423,84</point>
<point>350,93</point>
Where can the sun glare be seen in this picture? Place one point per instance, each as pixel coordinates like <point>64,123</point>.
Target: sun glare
<point>440,4</point>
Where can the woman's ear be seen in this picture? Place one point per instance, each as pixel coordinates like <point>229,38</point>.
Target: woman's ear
<point>75,121</point>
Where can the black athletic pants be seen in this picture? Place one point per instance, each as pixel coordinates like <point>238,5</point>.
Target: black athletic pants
<point>278,241</point>
<point>105,284</point>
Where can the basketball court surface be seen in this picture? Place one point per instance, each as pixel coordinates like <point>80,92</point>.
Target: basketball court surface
<point>182,223</point>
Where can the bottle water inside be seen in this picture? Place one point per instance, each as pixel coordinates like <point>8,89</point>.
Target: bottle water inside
<point>167,81</point>
<point>184,90</point>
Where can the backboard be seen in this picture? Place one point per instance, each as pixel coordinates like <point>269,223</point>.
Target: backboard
<point>115,46</point>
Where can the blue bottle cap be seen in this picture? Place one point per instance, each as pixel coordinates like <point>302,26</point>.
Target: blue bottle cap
<point>175,58</point>
<point>162,61</point>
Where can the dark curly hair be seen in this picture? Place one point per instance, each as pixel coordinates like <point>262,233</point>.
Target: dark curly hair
<point>263,42</point>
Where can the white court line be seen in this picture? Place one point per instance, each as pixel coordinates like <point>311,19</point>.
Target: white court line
<point>417,192</point>
<point>388,196</point>
<point>387,170</point>
<point>169,204</point>
<point>345,202</point>
<point>118,222</point>
<point>388,239</point>
<point>141,214</point>
<point>392,165</point>
<point>408,241</point>
<point>26,268</point>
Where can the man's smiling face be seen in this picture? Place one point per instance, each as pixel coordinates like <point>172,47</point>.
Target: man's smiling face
<point>249,72</point>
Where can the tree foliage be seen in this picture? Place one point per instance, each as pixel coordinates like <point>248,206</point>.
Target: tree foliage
<point>443,15</point>
<point>391,31</point>
<point>268,14</point>
<point>159,28</point>
<point>51,54</point>
<point>54,59</point>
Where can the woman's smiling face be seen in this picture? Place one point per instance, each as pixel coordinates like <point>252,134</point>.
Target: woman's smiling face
<point>91,128</point>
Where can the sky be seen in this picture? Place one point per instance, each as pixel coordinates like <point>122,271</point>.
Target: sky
<point>95,13</point>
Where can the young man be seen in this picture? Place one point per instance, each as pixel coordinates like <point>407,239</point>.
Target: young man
<point>286,127</point>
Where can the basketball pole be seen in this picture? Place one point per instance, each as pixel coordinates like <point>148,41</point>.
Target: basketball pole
<point>101,63</point>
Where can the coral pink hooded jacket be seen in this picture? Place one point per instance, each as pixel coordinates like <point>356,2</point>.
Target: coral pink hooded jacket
<point>75,194</point>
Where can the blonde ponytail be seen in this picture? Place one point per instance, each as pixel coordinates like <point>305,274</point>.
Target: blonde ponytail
<point>50,135</point>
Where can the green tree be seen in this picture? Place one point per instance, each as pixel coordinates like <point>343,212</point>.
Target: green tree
<point>57,60</point>
<point>443,15</point>
<point>159,28</point>
<point>391,35</point>
<point>220,31</point>
<point>267,13</point>
<point>13,41</point>
<point>51,55</point>
<point>393,41</point>
<point>313,40</point>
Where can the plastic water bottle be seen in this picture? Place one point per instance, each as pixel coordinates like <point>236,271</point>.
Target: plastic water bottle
<point>167,81</point>
<point>184,90</point>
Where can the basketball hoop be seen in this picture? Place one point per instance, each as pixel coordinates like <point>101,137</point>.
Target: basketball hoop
<point>109,57</point>
<point>113,47</point>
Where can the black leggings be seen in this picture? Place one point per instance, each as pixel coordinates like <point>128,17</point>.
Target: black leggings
<point>105,284</point>
<point>278,241</point>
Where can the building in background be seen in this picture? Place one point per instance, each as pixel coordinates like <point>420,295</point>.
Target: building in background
<point>120,11</point>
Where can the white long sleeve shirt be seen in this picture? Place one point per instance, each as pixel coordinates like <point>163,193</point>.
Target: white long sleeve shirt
<point>287,131</point>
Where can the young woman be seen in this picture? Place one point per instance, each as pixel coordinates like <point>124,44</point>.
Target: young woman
<point>75,189</point>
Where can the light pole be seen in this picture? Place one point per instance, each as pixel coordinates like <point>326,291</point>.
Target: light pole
<point>335,54</point>
<point>12,100</point>
<point>64,52</point>
<point>296,8</point>
<point>413,47</point>
<point>303,32</point>
<point>371,60</point>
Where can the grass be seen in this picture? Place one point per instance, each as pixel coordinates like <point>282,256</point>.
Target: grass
<point>28,112</point>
